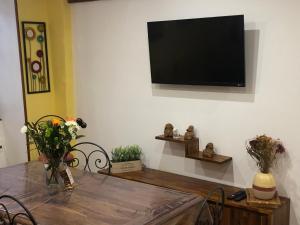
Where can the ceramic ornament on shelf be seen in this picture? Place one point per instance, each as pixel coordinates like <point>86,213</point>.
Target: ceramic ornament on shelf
<point>190,133</point>
<point>209,150</point>
<point>168,131</point>
<point>36,57</point>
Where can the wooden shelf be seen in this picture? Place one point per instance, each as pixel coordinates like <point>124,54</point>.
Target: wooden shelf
<point>219,159</point>
<point>179,139</point>
<point>192,150</point>
<point>75,1</point>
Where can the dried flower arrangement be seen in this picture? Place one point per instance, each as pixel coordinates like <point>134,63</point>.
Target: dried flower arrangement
<point>263,150</point>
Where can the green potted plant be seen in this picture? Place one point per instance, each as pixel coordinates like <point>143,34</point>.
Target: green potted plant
<point>264,151</point>
<point>126,159</point>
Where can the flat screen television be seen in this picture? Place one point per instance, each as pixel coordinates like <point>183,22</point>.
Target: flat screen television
<point>205,51</point>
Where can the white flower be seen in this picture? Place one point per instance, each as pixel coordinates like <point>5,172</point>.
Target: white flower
<point>24,130</point>
<point>72,123</point>
<point>74,136</point>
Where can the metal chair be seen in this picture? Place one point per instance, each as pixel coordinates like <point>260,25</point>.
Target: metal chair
<point>212,209</point>
<point>49,117</point>
<point>7,218</point>
<point>88,152</point>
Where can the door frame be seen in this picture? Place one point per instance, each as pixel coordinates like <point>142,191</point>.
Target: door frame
<point>22,74</point>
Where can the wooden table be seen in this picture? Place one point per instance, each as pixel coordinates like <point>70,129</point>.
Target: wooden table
<point>97,199</point>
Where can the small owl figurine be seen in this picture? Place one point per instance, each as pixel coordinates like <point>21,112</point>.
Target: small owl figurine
<point>168,132</point>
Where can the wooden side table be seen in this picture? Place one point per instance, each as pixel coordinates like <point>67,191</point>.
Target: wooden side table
<point>235,213</point>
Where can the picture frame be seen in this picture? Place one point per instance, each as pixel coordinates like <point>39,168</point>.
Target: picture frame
<point>36,57</point>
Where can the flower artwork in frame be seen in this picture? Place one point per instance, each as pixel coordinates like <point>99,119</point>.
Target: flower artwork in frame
<point>36,57</point>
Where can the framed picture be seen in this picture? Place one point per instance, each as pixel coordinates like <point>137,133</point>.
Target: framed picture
<point>36,57</point>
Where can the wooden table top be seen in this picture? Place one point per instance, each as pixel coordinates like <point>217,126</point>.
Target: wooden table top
<point>96,199</point>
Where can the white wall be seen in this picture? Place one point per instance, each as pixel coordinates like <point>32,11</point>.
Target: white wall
<point>116,97</point>
<point>11,101</point>
<point>3,159</point>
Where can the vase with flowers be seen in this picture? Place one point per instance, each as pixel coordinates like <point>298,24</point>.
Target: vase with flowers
<point>52,139</point>
<point>264,150</point>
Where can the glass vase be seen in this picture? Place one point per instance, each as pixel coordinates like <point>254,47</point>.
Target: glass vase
<point>52,176</point>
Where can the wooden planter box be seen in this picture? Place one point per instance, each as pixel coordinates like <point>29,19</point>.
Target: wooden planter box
<point>123,167</point>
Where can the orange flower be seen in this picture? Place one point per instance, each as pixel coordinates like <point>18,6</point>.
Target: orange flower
<point>55,122</point>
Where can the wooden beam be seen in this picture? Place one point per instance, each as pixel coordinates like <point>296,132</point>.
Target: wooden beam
<point>75,1</point>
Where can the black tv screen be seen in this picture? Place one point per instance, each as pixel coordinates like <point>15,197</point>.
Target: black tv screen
<point>205,51</point>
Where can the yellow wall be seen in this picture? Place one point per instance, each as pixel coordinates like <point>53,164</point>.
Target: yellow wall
<point>57,16</point>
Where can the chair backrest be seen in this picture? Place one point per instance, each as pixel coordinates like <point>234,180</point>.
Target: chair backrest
<point>6,218</point>
<point>211,212</point>
<point>49,117</point>
<point>83,154</point>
